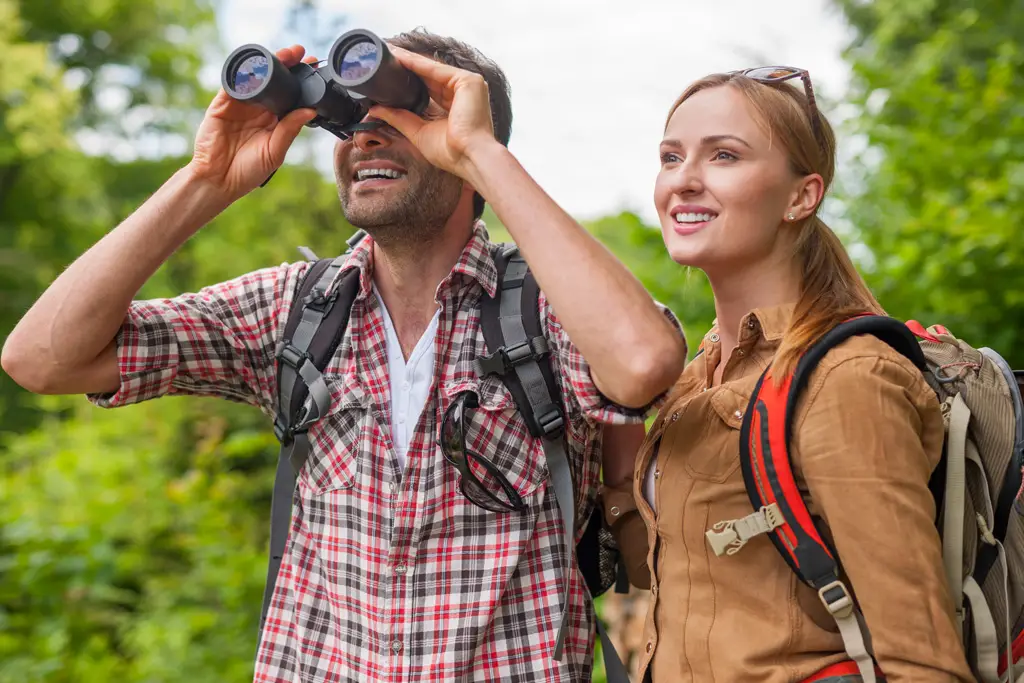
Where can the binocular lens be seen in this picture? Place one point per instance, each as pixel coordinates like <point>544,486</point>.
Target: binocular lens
<point>358,61</point>
<point>361,63</point>
<point>251,74</point>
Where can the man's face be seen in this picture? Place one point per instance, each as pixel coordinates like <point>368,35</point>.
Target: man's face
<point>390,190</point>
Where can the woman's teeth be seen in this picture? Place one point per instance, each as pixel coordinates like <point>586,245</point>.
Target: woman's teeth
<point>693,217</point>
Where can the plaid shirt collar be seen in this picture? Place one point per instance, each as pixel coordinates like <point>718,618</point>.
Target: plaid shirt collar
<point>475,263</point>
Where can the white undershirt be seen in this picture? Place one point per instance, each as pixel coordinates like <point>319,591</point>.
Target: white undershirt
<point>410,380</point>
<point>649,482</point>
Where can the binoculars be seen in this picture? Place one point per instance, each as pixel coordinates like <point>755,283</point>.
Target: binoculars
<point>359,72</point>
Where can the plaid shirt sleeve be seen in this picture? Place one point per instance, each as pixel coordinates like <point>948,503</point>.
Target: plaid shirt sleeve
<point>218,341</point>
<point>580,392</point>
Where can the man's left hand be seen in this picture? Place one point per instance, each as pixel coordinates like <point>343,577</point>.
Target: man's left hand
<point>457,121</point>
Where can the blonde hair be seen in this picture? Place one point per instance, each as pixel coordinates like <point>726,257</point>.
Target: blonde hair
<point>831,289</point>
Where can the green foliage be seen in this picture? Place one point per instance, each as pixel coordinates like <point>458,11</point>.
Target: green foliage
<point>938,197</point>
<point>133,541</point>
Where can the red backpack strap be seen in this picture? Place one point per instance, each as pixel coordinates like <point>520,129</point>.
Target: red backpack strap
<point>765,438</point>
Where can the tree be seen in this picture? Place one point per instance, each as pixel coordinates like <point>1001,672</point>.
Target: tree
<point>937,195</point>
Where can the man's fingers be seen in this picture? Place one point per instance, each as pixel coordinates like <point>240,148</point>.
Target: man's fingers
<point>402,120</point>
<point>439,78</point>
<point>310,59</point>
<point>290,56</point>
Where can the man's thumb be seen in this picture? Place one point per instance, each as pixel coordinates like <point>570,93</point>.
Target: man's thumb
<point>287,130</point>
<point>402,120</point>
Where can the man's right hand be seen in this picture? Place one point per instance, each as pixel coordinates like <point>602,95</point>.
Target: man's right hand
<point>238,144</point>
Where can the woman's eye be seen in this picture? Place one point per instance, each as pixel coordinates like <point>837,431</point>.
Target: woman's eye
<point>722,155</point>
<point>669,158</point>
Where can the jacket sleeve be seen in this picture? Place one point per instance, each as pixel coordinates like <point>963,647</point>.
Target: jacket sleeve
<point>867,437</point>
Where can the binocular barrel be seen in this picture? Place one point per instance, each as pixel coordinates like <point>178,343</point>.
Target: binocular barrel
<point>360,71</point>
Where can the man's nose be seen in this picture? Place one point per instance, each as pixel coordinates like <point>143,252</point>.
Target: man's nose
<point>366,140</point>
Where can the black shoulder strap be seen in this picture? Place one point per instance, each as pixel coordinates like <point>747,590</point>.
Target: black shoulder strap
<point>315,325</point>
<point>780,510</point>
<point>520,356</point>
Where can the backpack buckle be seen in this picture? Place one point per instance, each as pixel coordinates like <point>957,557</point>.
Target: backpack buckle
<point>290,355</point>
<point>283,432</point>
<point>318,299</point>
<point>551,422</point>
<point>505,358</point>
<point>836,599</point>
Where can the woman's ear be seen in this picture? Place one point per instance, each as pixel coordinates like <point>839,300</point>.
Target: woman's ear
<point>806,197</point>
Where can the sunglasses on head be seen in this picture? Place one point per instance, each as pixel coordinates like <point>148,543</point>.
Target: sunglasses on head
<point>780,74</point>
<point>481,482</point>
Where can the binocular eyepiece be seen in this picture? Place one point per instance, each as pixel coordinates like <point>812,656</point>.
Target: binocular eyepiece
<point>359,72</point>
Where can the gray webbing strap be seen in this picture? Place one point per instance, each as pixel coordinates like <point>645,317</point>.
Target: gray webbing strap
<point>301,338</point>
<point>614,669</point>
<point>561,481</point>
<point>295,448</point>
<point>281,514</point>
<point>511,318</point>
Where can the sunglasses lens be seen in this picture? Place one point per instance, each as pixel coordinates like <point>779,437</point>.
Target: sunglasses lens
<point>483,487</point>
<point>772,73</point>
<point>451,435</point>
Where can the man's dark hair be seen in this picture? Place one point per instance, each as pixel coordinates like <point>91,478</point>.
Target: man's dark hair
<point>462,56</point>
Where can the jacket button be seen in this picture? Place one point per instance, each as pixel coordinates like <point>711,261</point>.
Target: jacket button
<point>714,337</point>
<point>615,511</point>
<point>675,416</point>
<point>650,646</point>
<point>738,413</point>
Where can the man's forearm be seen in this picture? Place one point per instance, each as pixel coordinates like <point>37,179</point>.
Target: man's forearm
<point>79,314</point>
<point>632,349</point>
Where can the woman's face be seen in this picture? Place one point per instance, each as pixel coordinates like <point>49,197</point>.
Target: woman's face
<point>724,189</point>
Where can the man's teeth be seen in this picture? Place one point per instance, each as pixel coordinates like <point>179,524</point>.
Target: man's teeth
<point>365,173</point>
<point>693,217</point>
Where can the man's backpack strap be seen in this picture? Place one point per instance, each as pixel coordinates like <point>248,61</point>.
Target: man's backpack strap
<point>316,323</point>
<point>512,330</point>
<point>780,509</point>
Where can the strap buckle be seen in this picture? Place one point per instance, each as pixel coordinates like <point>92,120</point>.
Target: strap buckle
<point>291,356</point>
<point>551,422</point>
<point>319,300</point>
<point>729,536</point>
<point>283,432</point>
<point>836,599</point>
<point>505,358</point>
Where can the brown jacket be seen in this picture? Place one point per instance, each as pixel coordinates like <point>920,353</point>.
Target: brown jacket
<point>867,435</point>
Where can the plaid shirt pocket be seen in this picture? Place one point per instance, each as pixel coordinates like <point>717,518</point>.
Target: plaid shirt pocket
<point>336,438</point>
<point>496,431</point>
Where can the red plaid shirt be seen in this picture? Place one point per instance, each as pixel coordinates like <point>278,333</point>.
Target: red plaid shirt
<point>389,575</point>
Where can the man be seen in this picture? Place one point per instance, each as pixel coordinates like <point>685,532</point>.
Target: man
<point>390,573</point>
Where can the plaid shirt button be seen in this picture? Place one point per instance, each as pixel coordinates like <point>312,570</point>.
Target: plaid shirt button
<point>396,646</point>
<point>401,569</point>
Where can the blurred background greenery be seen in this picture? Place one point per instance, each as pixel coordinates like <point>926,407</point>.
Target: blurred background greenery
<point>132,542</point>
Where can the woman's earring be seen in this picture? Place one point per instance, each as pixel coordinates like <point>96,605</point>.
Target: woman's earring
<point>790,216</point>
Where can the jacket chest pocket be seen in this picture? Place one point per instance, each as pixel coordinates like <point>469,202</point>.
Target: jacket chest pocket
<point>496,439</point>
<point>714,441</point>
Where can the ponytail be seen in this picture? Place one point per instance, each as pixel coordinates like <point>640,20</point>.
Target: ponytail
<point>832,291</point>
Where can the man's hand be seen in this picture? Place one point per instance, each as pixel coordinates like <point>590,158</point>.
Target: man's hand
<point>445,141</point>
<point>238,145</point>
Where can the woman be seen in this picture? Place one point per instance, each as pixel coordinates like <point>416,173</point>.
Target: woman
<point>745,162</point>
